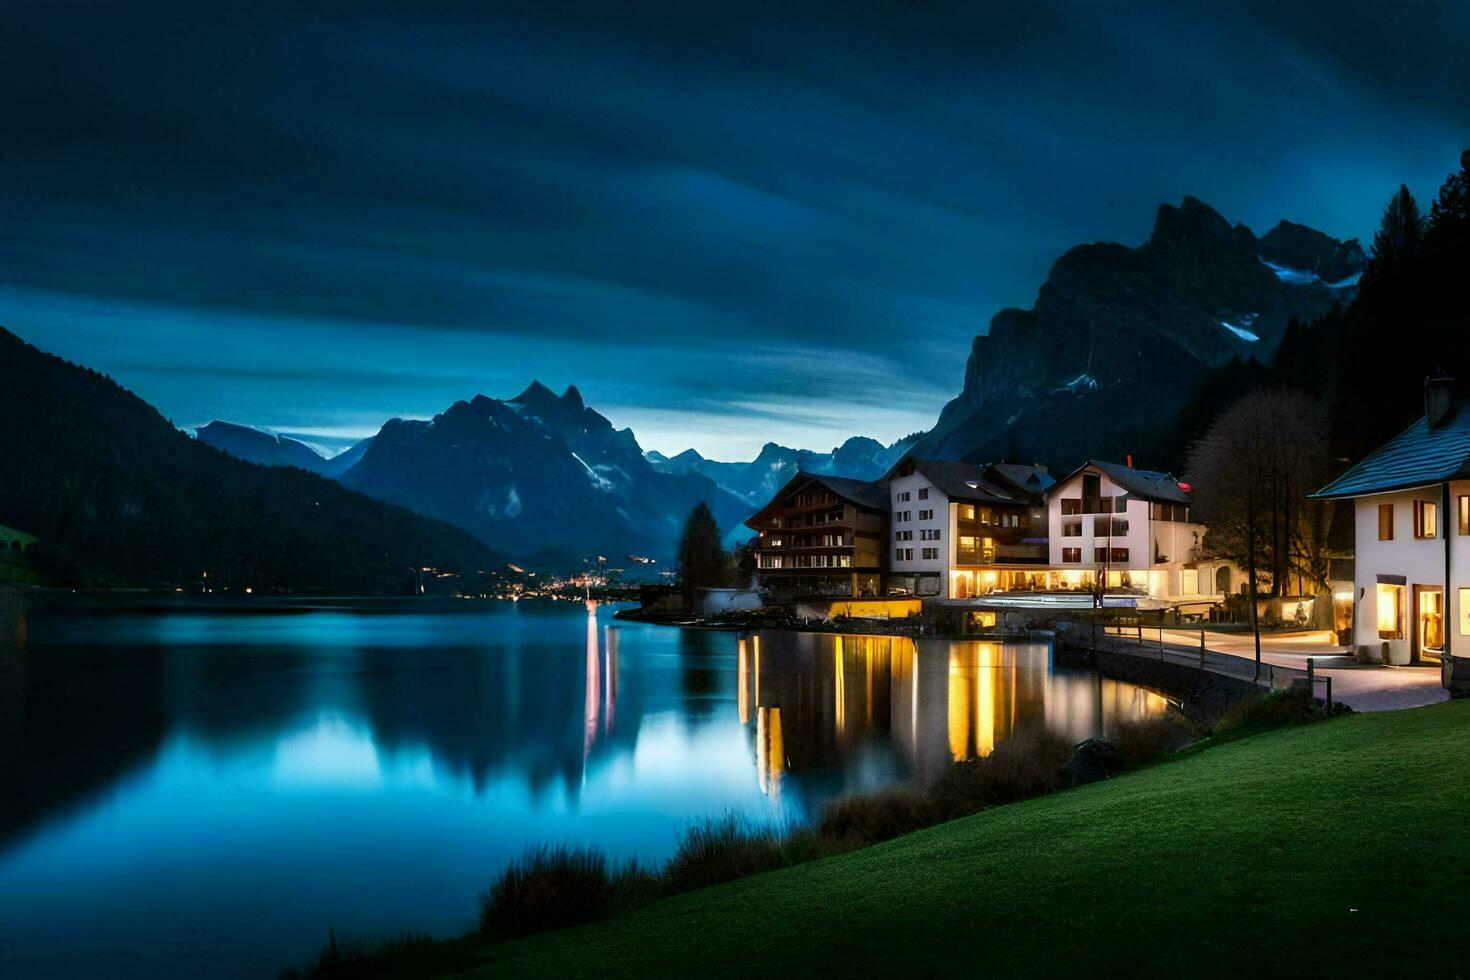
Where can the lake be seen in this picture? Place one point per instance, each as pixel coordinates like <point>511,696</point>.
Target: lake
<point>199,791</point>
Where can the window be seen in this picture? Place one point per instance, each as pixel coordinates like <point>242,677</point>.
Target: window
<point>908,554</point>
<point>1099,554</point>
<point>1426,519</point>
<point>927,534</point>
<point>1390,622</point>
<point>1071,554</point>
<point>967,512</point>
<point>1464,508</point>
<point>1464,609</point>
<point>1120,555</point>
<point>1120,526</point>
<point>898,554</point>
<point>926,515</point>
<point>903,535</point>
<point>901,515</point>
<point>923,493</point>
<point>930,553</point>
<point>1385,522</point>
<point>902,497</point>
<point>1071,505</point>
<point>1189,581</point>
<point>1072,529</point>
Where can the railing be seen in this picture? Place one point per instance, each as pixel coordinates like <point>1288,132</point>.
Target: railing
<point>1136,638</point>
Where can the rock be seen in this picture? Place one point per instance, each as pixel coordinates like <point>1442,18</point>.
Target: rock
<point>1092,760</point>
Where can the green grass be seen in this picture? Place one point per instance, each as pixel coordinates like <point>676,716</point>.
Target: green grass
<point>1250,856</point>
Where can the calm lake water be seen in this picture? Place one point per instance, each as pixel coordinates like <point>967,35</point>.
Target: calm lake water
<point>198,792</point>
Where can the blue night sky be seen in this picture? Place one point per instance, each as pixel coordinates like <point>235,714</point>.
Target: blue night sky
<point>723,227</point>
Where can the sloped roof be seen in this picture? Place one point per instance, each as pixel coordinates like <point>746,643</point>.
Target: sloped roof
<point>962,481</point>
<point>1028,476</point>
<point>1144,484</point>
<point>861,492</point>
<point>1414,458</point>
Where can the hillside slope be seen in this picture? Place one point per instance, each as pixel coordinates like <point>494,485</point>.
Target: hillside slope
<point>1298,852</point>
<point>109,484</point>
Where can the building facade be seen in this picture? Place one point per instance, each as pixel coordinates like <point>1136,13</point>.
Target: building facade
<point>957,530</point>
<point>822,535</point>
<point>1411,510</point>
<point>1123,527</point>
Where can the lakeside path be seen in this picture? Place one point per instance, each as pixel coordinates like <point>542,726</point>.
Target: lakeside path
<point>1288,853</point>
<point>1363,687</point>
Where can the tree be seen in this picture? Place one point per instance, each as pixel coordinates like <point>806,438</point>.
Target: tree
<point>702,561</point>
<point>1251,473</point>
<point>1397,242</point>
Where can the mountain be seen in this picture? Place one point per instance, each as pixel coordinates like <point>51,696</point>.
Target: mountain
<point>115,492</point>
<point>269,449</point>
<point>255,446</point>
<point>540,476</point>
<point>1101,363</point>
<point>345,460</point>
<point>757,481</point>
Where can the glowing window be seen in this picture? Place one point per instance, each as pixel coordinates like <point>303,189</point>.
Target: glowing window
<point>1390,620</point>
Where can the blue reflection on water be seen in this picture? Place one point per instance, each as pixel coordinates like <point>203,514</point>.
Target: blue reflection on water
<point>199,792</point>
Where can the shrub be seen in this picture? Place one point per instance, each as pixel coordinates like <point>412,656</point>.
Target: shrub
<point>348,961</point>
<point>551,887</point>
<point>1290,706</point>
<point>719,849</point>
<point>857,821</point>
<point>1027,764</point>
<point>1143,741</point>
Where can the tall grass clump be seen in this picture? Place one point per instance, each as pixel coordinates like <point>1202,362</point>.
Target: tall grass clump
<point>1143,741</point>
<point>552,887</point>
<point>857,821</point>
<point>1277,709</point>
<point>352,961</point>
<point>720,849</point>
<point>1028,763</point>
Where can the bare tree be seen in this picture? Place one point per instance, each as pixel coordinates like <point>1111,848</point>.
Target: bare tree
<point>1251,474</point>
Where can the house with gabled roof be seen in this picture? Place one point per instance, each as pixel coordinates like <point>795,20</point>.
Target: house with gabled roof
<point>958,530</point>
<point>1411,510</point>
<point>1123,527</point>
<point>822,535</point>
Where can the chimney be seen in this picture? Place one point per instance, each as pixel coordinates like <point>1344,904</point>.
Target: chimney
<point>1439,398</point>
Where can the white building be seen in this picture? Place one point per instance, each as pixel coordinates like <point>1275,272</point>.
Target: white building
<point>1131,528</point>
<point>1411,503</point>
<point>957,530</point>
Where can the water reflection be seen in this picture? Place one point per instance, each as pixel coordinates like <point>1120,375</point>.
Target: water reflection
<point>369,768</point>
<point>817,700</point>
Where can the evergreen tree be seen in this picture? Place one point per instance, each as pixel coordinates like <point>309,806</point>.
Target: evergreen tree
<point>701,559</point>
<point>1397,242</point>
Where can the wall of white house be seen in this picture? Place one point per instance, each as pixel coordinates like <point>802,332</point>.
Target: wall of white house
<point>1177,542</point>
<point>1417,561</point>
<point>922,529</point>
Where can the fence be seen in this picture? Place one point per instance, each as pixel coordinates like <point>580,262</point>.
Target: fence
<point>1131,635</point>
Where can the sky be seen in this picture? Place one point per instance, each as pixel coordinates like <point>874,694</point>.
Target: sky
<point>726,224</point>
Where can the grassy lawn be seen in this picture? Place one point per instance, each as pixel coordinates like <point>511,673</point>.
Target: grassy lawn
<point>1337,847</point>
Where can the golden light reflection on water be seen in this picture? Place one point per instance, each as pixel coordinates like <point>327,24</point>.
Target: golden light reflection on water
<point>816,698</point>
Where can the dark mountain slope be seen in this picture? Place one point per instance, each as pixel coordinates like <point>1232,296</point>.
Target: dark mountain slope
<point>1118,335</point>
<point>255,446</point>
<point>102,477</point>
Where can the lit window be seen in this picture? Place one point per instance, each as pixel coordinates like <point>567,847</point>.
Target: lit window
<point>1385,522</point>
<point>1464,515</point>
<point>1189,582</point>
<point>1390,622</point>
<point>1464,609</point>
<point>1426,519</point>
